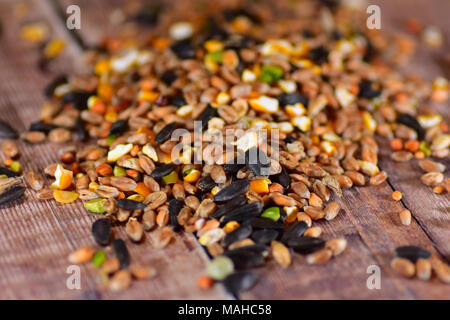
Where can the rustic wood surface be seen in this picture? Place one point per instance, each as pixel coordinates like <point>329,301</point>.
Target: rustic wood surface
<point>37,236</point>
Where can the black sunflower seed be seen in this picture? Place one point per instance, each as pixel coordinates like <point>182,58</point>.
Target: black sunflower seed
<point>41,126</point>
<point>234,166</point>
<point>282,178</point>
<point>8,172</point>
<point>6,131</point>
<point>178,100</point>
<point>228,206</point>
<point>319,55</point>
<point>231,14</point>
<point>412,253</point>
<point>207,115</point>
<point>245,259</point>
<point>206,184</point>
<point>169,77</point>
<point>240,233</point>
<point>306,244</point>
<point>239,281</point>
<point>409,121</point>
<point>165,133</point>
<point>254,248</point>
<point>119,127</point>
<point>183,49</point>
<point>148,16</point>
<point>292,98</point>
<point>11,194</point>
<point>295,231</point>
<point>233,190</point>
<point>174,209</point>
<point>366,90</point>
<point>264,236</point>
<point>162,171</point>
<point>246,211</point>
<point>80,131</point>
<point>263,223</point>
<point>121,252</point>
<point>129,204</point>
<point>77,98</point>
<point>57,81</point>
<point>101,231</point>
<point>257,161</point>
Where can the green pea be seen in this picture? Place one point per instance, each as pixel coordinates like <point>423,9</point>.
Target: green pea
<point>99,258</point>
<point>220,267</point>
<point>16,167</point>
<point>216,56</point>
<point>119,172</point>
<point>272,213</point>
<point>111,139</point>
<point>95,205</point>
<point>270,74</point>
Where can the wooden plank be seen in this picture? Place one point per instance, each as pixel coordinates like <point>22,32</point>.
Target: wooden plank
<point>37,235</point>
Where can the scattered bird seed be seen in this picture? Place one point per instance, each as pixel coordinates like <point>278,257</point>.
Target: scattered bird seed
<point>101,230</point>
<point>412,253</point>
<point>122,254</point>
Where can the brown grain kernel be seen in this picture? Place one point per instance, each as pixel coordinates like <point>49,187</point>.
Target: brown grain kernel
<point>314,213</point>
<point>143,272</point>
<point>107,192</point>
<point>121,280</point>
<point>104,169</point>
<point>428,165</point>
<point>397,195</point>
<point>59,135</point>
<point>215,249</point>
<point>301,216</point>
<point>81,255</point>
<point>432,178</point>
<point>110,206</point>
<point>423,269</point>
<point>356,177</point>
<point>401,156</point>
<point>50,169</point>
<point>282,200</point>
<point>123,214</point>
<point>123,183</point>
<point>315,201</point>
<point>301,189</point>
<point>314,232</point>
<point>447,184</point>
<point>134,230</point>
<point>162,218</point>
<point>155,199</point>
<point>405,217</point>
<point>45,194</point>
<point>82,182</point>
<point>319,257</point>
<point>34,137</point>
<point>34,180</point>
<point>10,149</point>
<point>178,191</point>
<point>218,174</point>
<point>192,202</point>
<point>110,265</point>
<point>148,219</point>
<point>403,267</point>
<point>439,189</point>
<point>241,243</point>
<point>163,237</point>
<point>344,181</point>
<point>206,208</point>
<point>441,269</point>
<point>331,210</point>
<point>336,246</point>
<point>378,179</point>
<point>281,254</point>
<point>151,184</point>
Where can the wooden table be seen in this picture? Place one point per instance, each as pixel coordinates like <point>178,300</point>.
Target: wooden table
<point>37,236</point>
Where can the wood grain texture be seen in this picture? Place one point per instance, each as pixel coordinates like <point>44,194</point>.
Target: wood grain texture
<point>33,254</point>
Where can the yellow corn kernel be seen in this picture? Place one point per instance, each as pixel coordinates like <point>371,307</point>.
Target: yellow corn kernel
<point>276,47</point>
<point>327,147</point>
<point>105,91</point>
<point>247,141</point>
<point>92,100</point>
<point>65,196</point>
<point>193,176</point>
<point>215,190</point>
<point>150,152</point>
<point>285,127</point>
<point>222,98</point>
<point>119,151</point>
<point>54,48</point>
<point>369,122</point>
<point>295,110</point>
<point>210,64</point>
<point>248,76</point>
<point>259,124</point>
<point>184,111</point>
<point>303,63</point>
<point>213,45</point>
<point>260,185</point>
<point>63,178</point>
<point>93,186</point>
<point>36,32</point>
<point>303,123</point>
<point>429,121</point>
<point>331,136</point>
<point>265,104</point>
<point>136,197</point>
<point>111,116</point>
<point>344,96</point>
<point>101,67</point>
<point>231,226</point>
<point>146,95</point>
<point>368,168</point>
<point>287,86</point>
<point>295,147</point>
